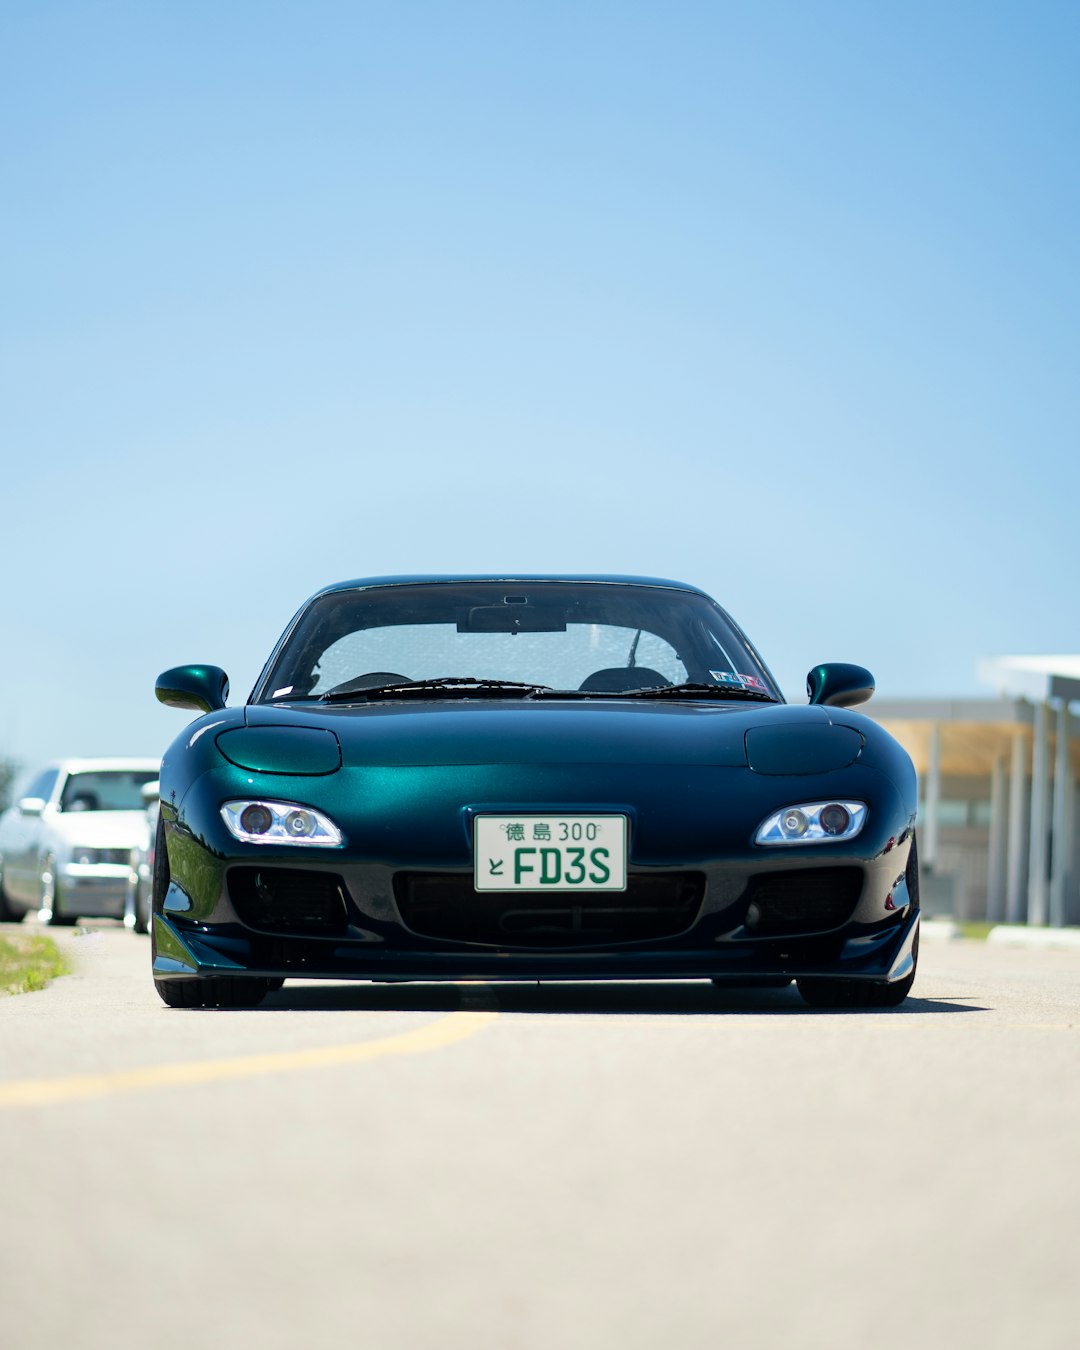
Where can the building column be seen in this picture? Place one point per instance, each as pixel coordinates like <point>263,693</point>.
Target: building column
<point>997,869</point>
<point>1016,872</point>
<point>930,835</point>
<point>1072,894</point>
<point>1061,851</point>
<point>1038,893</point>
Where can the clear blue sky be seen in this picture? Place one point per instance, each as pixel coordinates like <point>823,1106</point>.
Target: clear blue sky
<point>777,298</point>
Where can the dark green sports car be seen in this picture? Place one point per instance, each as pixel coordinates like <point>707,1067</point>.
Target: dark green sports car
<point>530,778</point>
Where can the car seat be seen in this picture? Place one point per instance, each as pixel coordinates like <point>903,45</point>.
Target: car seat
<point>83,801</point>
<point>621,679</point>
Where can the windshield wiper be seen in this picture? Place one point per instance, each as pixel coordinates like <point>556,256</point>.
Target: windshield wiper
<point>449,684</point>
<point>693,690</point>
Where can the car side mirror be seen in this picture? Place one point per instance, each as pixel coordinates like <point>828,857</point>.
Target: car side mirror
<point>839,685</point>
<point>31,806</point>
<point>204,688</point>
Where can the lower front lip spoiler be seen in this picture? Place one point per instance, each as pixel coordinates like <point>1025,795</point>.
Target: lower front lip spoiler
<point>186,954</point>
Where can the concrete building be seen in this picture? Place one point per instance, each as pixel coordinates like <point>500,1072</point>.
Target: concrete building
<point>999,834</point>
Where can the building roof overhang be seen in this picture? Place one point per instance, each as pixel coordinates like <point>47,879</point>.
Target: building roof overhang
<point>973,734</point>
<point>976,733</point>
<point>1033,677</point>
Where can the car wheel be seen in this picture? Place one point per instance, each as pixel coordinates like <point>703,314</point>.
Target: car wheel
<point>181,993</point>
<point>8,912</point>
<point>236,992</point>
<point>755,982</point>
<point>129,901</point>
<point>220,991</point>
<point>49,897</point>
<point>825,993</point>
<point>141,917</point>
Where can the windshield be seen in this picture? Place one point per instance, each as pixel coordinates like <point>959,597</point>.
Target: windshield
<point>583,636</point>
<point>106,790</point>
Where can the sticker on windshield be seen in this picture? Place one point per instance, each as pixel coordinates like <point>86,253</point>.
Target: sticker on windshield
<point>740,681</point>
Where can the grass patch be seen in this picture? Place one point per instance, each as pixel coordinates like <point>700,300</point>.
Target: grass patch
<point>29,963</point>
<point>978,931</point>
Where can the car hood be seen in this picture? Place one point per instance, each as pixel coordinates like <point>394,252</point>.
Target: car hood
<point>100,829</point>
<point>514,732</point>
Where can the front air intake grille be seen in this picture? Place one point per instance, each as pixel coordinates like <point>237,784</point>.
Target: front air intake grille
<point>810,900</point>
<point>116,857</point>
<point>288,899</point>
<point>445,906</point>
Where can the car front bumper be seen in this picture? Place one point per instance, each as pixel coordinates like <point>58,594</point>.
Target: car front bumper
<point>400,902</point>
<point>93,890</point>
<point>373,941</point>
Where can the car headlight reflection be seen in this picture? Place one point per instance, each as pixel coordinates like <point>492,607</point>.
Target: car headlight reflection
<point>260,822</point>
<point>813,823</point>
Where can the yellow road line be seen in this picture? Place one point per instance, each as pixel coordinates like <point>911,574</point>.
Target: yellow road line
<point>1041,1026</point>
<point>456,1026</point>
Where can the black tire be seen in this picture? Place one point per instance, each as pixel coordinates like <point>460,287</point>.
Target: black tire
<point>9,913</point>
<point>273,985</point>
<point>821,992</point>
<point>181,993</point>
<point>755,982</point>
<point>236,991</point>
<point>142,908</point>
<point>219,991</point>
<point>50,896</point>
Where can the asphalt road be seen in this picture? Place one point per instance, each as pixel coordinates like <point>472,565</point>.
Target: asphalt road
<point>561,1166</point>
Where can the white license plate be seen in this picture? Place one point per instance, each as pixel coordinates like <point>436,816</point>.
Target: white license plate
<point>549,853</point>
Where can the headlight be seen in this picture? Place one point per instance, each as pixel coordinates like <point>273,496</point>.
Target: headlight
<point>259,822</point>
<point>813,823</point>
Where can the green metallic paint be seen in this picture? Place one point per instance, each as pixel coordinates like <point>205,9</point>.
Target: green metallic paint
<point>171,956</point>
<point>476,731</point>
<point>282,749</point>
<point>420,817</point>
<point>839,684</point>
<point>203,688</point>
<point>788,748</point>
<point>198,874</point>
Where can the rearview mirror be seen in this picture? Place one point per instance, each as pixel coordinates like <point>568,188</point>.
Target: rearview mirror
<point>514,618</point>
<point>31,806</point>
<point>839,685</point>
<point>204,688</point>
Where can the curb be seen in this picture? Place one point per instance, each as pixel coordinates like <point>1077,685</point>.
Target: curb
<point>940,930</point>
<point>1018,935</point>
